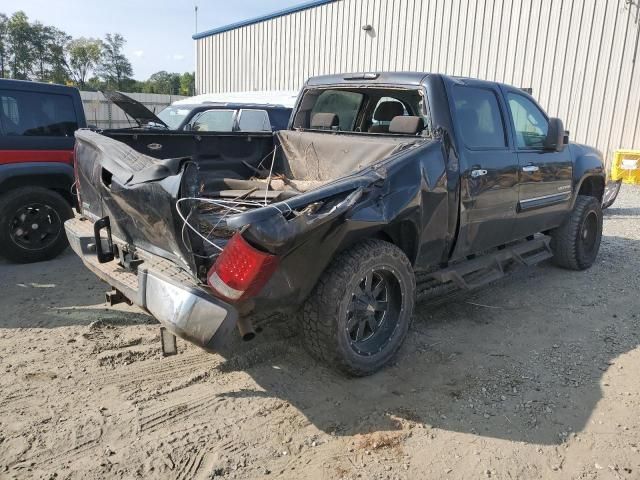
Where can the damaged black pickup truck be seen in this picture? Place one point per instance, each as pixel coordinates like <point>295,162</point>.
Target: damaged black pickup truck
<point>381,179</point>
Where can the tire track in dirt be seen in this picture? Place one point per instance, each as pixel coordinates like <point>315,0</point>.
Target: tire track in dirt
<point>84,442</point>
<point>176,412</point>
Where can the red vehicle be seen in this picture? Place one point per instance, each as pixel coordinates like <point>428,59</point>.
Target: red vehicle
<point>37,123</point>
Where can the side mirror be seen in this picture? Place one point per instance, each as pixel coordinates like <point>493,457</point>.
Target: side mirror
<point>555,135</point>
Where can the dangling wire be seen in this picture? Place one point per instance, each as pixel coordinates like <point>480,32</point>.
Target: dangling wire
<point>228,206</point>
<point>266,189</point>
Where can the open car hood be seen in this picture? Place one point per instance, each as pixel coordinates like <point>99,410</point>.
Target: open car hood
<point>136,110</point>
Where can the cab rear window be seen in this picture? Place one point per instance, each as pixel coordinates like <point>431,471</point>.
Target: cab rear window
<point>345,105</point>
<point>24,113</point>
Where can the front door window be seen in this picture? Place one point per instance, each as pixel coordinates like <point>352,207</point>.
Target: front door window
<point>529,122</point>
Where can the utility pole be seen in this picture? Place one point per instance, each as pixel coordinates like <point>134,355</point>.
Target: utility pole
<point>196,14</point>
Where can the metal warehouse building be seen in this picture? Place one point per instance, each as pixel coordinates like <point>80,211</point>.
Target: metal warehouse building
<point>580,57</point>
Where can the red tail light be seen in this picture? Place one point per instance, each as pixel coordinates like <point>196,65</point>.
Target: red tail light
<point>240,270</point>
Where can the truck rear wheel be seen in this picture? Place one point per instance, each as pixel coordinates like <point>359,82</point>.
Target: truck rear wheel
<point>576,242</point>
<point>359,312</point>
<point>32,224</point>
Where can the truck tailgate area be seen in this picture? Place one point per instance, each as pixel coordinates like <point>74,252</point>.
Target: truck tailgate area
<point>160,287</point>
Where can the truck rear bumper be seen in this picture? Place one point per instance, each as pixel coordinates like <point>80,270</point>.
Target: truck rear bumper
<point>161,288</point>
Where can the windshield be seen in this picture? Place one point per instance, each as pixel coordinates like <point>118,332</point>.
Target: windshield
<point>174,116</point>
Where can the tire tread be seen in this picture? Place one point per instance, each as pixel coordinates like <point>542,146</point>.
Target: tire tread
<point>564,239</point>
<point>320,311</point>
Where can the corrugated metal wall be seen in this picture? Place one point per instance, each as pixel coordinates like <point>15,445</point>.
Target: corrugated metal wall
<point>579,56</point>
<point>103,114</point>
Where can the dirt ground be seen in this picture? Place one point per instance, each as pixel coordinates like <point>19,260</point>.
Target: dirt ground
<point>535,376</point>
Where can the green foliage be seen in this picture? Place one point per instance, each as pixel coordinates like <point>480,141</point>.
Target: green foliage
<point>4,45</point>
<point>34,51</point>
<point>83,54</point>
<point>188,84</point>
<point>20,36</point>
<point>49,55</point>
<point>114,66</point>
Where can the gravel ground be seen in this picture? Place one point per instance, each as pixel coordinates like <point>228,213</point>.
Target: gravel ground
<point>535,376</point>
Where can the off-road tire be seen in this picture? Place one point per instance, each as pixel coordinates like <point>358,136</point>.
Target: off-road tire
<point>568,240</point>
<point>11,204</point>
<point>325,314</point>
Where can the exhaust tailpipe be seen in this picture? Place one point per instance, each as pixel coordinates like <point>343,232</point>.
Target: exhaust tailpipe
<point>246,329</point>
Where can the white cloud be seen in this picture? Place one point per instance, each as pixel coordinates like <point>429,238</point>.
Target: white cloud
<point>178,56</point>
<point>138,53</point>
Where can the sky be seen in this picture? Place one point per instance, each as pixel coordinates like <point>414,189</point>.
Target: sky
<point>158,32</point>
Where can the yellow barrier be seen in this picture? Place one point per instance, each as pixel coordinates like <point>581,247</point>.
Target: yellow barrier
<point>626,166</point>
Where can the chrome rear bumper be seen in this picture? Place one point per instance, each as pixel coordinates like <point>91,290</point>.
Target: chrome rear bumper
<point>161,288</point>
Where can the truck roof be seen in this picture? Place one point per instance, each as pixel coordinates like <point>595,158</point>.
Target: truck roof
<point>394,78</point>
<point>387,78</point>
<point>34,86</point>
<point>282,98</point>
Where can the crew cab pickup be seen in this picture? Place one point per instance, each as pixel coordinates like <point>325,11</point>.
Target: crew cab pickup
<point>384,188</point>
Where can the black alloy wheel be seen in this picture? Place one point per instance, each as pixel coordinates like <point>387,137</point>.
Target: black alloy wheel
<point>372,315</point>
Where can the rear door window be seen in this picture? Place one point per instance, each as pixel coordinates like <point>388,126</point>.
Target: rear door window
<point>24,113</point>
<point>479,118</point>
<point>214,121</point>
<point>345,105</point>
<point>252,120</point>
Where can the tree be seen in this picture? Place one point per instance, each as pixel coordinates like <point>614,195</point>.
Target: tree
<point>4,44</point>
<point>58,67</point>
<point>21,52</point>
<point>114,66</point>
<point>84,54</point>
<point>48,50</point>
<point>162,82</point>
<point>187,83</point>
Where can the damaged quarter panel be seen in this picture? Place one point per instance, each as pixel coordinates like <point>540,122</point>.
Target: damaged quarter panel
<point>403,199</point>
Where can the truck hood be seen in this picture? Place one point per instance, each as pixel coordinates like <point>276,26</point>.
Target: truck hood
<point>136,110</point>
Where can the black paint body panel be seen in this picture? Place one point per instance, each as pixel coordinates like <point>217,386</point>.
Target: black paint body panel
<point>423,198</point>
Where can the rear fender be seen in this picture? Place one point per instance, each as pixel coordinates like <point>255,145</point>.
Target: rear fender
<point>588,165</point>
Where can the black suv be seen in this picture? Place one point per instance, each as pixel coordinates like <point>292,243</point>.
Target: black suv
<point>37,124</point>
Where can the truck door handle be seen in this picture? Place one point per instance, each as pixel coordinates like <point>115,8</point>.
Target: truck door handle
<point>530,168</point>
<point>478,173</point>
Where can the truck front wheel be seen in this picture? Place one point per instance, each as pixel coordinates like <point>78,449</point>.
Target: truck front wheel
<point>359,312</point>
<point>576,242</point>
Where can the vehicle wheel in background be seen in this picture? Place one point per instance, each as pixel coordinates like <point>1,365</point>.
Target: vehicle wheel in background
<point>576,242</point>
<point>32,224</point>
<point>359,312</point>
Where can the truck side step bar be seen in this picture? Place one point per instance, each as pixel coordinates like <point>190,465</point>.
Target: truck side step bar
<point>477,272</point>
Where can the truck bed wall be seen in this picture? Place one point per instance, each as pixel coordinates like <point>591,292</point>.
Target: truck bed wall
<point>217,154</point>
